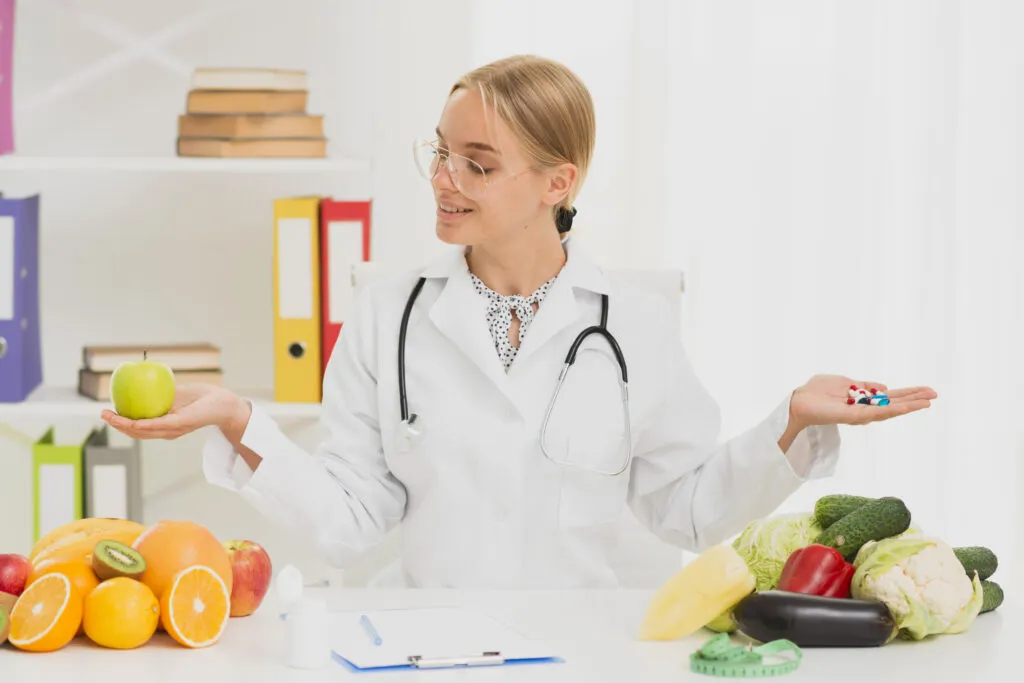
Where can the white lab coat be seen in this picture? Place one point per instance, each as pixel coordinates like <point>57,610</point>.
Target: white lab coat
<point>480,504</point>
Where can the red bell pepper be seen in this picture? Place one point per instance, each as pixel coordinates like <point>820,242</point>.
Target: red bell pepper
<point>818,570</point>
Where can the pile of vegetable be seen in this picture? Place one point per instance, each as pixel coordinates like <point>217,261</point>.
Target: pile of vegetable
<point>852,573</point>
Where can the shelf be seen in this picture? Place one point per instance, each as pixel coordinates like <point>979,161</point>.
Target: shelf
<point>173,164</point>
<point>57,402</point>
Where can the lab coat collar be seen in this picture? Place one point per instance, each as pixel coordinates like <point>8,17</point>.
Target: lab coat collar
<point>580,271</point>
<point>460,312</point>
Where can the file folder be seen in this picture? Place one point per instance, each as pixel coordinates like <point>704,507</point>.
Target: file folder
<point>56,481</point>
<point>430,638</point>
<point>21,369</point>
<point>297,356</point>
<point>113,478</point>
<point>344,241</point>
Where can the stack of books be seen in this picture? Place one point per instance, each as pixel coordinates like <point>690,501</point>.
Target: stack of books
<point>191,363</point>
<point>249,112</point>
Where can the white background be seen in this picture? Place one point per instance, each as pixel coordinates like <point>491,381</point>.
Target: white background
<point>839,181</point>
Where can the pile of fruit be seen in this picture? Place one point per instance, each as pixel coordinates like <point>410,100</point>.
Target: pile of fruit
<point>117,582</point>
<point>852,573</point>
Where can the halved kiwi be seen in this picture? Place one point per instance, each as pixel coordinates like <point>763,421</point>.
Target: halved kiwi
<point>112,558</point>
<point>5,624</point>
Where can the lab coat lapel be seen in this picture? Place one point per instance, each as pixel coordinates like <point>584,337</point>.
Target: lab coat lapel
<point>561,309</point>
<point>460,313</point>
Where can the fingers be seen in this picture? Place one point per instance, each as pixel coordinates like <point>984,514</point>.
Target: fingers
<point>863,414</point>
<point>912,393</point>
<point>169,426</point>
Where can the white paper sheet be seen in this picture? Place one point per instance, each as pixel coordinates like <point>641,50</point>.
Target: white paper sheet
<point>7,274</point>
<point>110,491</point>
<point>442,632</point>
<point>295,268</point>
<point>56,497</point>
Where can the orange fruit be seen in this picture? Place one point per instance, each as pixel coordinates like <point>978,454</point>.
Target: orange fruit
<point>80,573</point>
<point>121,613</point>
<point>47,615</point>
<point>170,547</point>
<point>196,607</point>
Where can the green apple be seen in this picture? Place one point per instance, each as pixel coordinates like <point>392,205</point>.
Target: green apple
<point>142,389</point>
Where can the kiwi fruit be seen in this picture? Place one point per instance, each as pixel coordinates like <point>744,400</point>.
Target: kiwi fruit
<point>111,559</point>
<point>5,624</point>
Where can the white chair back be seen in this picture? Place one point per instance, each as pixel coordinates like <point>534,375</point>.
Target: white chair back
<point>640,559</point>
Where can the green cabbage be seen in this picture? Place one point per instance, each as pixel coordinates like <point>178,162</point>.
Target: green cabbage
<point>921,581</point>
<point>766,544</point>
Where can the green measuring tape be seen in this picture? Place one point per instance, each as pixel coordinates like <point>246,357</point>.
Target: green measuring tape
<point>719,657</point>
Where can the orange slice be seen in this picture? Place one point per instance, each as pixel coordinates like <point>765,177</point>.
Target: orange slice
<point>47,615</point>
<point>80,573</point>
<point>195,608</point>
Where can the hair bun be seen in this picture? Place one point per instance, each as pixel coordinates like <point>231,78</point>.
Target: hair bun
<point>563,218</point>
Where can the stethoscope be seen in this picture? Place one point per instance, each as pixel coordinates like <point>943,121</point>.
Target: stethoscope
<point>409,430</point>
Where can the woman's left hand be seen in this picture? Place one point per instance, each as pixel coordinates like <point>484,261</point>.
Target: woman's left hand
<point>823,401</point>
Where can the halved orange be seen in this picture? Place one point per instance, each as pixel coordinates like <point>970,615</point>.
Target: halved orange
<point>47,615</point>
<point>80,573</point>
<point>196,606</point>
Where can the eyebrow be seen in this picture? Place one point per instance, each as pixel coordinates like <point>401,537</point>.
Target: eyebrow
<point>483,147</point>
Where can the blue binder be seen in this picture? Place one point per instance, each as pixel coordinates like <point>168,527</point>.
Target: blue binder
<point>21,368</point>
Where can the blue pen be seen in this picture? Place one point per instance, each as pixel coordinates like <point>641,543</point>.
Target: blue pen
<point>370,630</point>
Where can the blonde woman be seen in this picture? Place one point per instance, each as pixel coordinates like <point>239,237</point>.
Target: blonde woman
<point>440,394</point>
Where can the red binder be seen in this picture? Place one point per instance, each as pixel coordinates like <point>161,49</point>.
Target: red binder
<point>344,240</point>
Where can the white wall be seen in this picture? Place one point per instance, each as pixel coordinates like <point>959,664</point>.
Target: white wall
<point>760,147</point>
<point>377,74</point>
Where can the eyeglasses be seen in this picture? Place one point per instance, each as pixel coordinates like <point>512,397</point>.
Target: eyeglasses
<point>468,176</point>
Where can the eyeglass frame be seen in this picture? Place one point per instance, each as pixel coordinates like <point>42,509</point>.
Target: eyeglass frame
<point>437,147</point>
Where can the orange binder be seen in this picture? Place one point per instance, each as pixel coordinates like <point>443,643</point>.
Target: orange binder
<point>344,240</point>
<point>297,369</point>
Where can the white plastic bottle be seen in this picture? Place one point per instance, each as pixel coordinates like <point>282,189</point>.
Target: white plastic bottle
<point>307,640</point>
<point>307,643</point>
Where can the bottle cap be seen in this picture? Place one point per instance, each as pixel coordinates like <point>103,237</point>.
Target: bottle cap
<point>289,584</point>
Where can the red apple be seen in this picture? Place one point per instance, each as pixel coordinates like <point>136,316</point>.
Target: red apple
<point>251,573</point>
<point>14,571</point>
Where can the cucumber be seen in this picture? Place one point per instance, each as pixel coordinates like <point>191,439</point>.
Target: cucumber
<point>873,521</point>
<point>830,509</point>
<point>977,558</point>
<point>992,596</point>
<point>814,620</point>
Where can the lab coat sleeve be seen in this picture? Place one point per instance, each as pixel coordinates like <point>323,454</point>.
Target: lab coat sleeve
<point>342,498</point>
<point>694,491</point>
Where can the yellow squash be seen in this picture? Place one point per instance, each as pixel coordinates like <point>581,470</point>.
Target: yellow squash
<point>698,593</point>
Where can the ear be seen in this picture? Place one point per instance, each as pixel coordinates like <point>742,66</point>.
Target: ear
<point>561,180</point>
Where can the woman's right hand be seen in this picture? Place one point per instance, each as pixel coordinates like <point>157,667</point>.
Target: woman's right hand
<point>195,406</point>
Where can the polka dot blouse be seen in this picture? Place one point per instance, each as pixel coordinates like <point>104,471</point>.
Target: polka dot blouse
<point>499,316</point>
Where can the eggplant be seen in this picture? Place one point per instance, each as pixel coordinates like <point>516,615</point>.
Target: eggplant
<point>814,620</point>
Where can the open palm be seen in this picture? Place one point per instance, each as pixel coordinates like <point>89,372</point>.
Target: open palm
<point>823,400</point>
<point>195,406</point>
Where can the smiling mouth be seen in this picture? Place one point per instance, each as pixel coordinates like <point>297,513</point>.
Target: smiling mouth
<point>452,210</point>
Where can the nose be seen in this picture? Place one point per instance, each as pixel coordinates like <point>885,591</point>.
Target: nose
<point>442,180</point>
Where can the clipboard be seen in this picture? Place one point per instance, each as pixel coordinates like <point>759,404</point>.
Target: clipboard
<point>431,638</point>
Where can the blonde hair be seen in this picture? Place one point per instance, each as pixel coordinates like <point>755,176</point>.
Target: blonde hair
<point>546,105</point>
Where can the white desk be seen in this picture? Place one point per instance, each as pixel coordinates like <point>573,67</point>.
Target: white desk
<point>594,632</point>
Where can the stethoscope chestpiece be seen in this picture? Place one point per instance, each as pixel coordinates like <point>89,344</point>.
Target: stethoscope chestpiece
<point>407,433</point>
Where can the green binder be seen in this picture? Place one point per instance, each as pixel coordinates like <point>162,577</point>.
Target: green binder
<point>57,483</point>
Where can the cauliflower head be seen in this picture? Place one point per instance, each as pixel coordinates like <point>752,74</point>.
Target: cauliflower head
<point>921,581</point>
